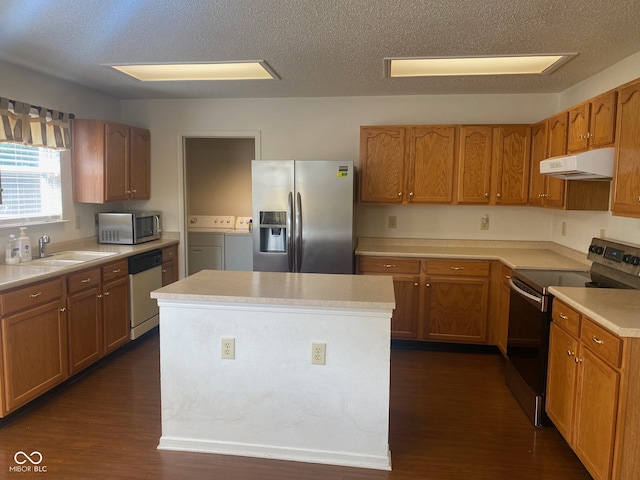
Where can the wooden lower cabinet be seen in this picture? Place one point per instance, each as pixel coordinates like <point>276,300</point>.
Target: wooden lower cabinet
<point>169,265</point>
<point>115,313</point>
<point>84,309</point>
<point>499,299</point>
<point>436,300</point>
<point>456,300</point>
<point>34,342</point>
<point>592,393</point>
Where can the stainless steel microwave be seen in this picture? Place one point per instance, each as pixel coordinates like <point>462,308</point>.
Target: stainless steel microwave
<point>128,228</point>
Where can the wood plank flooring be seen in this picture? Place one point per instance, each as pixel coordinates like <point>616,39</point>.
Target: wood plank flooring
<point>452,418</point>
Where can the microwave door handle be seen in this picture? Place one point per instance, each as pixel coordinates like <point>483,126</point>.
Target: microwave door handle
<point>298,232</point>
<point>289,233</point>
<point>156,220</point>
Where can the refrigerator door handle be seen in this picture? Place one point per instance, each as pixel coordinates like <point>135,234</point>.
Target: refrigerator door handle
<point>298,232</point>
<point>290,256</point>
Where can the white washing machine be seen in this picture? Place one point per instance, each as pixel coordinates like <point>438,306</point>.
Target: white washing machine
<point>205,241</point>
<point>238,246</point>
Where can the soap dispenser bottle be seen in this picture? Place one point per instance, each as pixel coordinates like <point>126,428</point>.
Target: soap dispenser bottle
<point>25,246</point>
<point>12,253</point>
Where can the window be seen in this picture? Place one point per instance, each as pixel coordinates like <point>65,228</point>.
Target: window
<point>31,188</point>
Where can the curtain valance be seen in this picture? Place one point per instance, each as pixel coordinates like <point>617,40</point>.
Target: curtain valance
<point>35,126</point>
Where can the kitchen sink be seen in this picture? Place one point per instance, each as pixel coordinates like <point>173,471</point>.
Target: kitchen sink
<point>65,259</point>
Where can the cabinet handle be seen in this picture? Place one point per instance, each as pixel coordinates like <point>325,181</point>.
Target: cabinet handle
<point>35,295</point>
<point>410,194</point>
<point>134,191</point>
<point>85,280</point>
<point>117,270</point>
<point>589,135</point>
<point>581,137</point>
<point>457,268</point>
<point>570,353</point>
<point>486,195</point>
<point>563,316</point>
<point>415,284</point>
<point>508,277</point>
<point>106,294</point>
<point>128,192</point>
<point>388,265</point>
<point>638,199</point>
<point>164,270</point>
<point>63,309</point>
<point>577,360</point>
<point>499,195</point>
<point>399,194</point>
<point>597,340</point>
<point>99,296</point>
<point>427,284</point>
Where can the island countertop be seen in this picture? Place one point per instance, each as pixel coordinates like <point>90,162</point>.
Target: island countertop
<point>279,288</point>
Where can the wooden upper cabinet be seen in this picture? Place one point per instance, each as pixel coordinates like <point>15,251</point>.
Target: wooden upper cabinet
<point>139,168</point>
<point>511,160</point>
<point>592,123</point>
<point>557,135</point>
<point>474,168</point>
<point>626,177</point>
<point>383,153</point>
<point>432,162</point>
<point>110,162</point>
<point>538,153</point>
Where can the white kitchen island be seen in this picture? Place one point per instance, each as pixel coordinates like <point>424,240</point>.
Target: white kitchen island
<point>271,401</point>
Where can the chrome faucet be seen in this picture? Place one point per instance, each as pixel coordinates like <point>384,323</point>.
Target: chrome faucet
<point>42,245</point>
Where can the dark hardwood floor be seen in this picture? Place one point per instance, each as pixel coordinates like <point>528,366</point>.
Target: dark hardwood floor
<point>452,418</point>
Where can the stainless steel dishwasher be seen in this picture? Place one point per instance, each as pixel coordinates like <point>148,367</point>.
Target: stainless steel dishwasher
<point>145,276</point>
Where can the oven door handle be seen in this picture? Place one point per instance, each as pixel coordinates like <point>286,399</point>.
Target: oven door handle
<point>525,294</point>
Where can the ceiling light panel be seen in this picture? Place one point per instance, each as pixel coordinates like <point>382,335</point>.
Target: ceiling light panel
<point>255,70</point>
<point>462,66</point>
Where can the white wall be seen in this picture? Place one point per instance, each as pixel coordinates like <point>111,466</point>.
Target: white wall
<point>20,84</point>
<point>328,129</point>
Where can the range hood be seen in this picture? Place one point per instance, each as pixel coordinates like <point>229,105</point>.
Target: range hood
<point>590,165</point>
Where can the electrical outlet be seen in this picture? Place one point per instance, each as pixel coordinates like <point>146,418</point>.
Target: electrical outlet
<point>77,222</point>
<point>564,229</point>
<point>318,353</point>
<point>603,233</point>
<point>393,221</point>
<point>228,348</point>
<point>484,222</point>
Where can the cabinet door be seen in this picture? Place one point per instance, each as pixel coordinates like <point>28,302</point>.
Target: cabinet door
<point>432,160</point>
<point>474,168</point>
<point>457,309</point>
<point>84,311</point>
<point>557,145</point>
<point>512,152</point>
<point>595,417</point>
<point>602,121</point>
<point>578,128</point>
<point>34,347</point>
<point>626,179</point>
<point>503,310</point>
<point>382,164</point>
<point>169,273</point>
<point>139,168</point>
<point>538,153</point>
<point>561,380</point>
<point>404,323</point>
<point>115,313</point>
<point>116,153</point>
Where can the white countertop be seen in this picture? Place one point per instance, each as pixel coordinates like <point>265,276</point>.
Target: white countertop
<point>617,310</point>
<point>278,288</point>
<point>18,275</point>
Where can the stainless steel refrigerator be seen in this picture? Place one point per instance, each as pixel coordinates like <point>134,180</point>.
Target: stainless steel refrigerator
<point>303,216</point>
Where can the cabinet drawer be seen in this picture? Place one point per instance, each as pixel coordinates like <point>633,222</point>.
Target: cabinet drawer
<point>81,280</point>
<point>566,317</point>
<point>388,265</point>
<point>606,344</point>
<point>115,270</point>
<point>466,268</point>
<point>32,296</point>
<point>169,253</point>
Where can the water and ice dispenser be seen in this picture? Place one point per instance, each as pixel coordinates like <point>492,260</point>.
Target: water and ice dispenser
<point>273,231</point>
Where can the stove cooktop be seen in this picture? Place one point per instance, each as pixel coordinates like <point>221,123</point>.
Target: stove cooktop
<point>541,280</point>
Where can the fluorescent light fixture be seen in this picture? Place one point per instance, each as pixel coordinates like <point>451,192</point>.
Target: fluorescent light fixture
<point>169,72</point>
<point>452,66</point>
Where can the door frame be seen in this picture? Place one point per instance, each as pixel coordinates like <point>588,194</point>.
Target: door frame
<point>182,177</point>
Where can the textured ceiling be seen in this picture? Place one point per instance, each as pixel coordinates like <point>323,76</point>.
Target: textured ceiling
<point>317,47</point>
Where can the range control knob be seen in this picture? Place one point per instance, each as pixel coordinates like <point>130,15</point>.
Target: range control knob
<point>592,248</point>
<point>635,261</point>
<point>626,258</point>
<point>598,250</point>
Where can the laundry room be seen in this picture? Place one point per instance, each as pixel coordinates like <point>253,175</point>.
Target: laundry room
<point>218,202</point>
